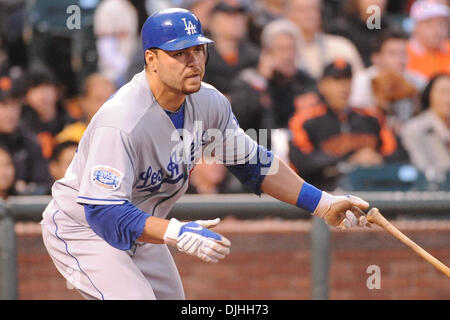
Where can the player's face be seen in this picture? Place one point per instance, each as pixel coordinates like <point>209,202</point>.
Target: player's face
<point>182,70</point>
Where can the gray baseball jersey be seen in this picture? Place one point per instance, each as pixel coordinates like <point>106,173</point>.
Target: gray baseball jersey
<point>132,152</point>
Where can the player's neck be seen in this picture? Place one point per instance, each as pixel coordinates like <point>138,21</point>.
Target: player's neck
<point>167,98</point>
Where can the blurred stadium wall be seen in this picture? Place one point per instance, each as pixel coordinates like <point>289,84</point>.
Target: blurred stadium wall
<point>270,259</point>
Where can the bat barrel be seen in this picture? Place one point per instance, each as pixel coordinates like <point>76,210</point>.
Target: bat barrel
<point>374,216</point>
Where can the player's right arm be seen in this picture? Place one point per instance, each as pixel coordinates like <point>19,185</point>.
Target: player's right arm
<point>192,237</point>
<point>122,225</point>
<point>105,193</point>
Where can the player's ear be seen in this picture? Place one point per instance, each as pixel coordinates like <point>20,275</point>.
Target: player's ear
<point>150,59</point>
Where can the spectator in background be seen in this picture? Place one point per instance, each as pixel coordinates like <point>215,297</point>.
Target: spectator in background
<point>231,51</point>
<point>43,112</point>
<point>96,90</point>
<point>61,158</point>
<point>387,84</point>
<point>116,29</point>
<point>317,49</point>
<point>395,99</point>
<point>262,13</point>
<point>210,177</point>
<point>7,173</point>
<point>331,132</point>
<point>202,9</point>
<point>263,97</point>
<point>354,25</point>
<point>32,175</point>
<point>427,136</point>
<point>429,46</point>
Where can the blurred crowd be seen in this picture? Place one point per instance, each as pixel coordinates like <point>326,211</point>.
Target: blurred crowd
<point>341,85</point>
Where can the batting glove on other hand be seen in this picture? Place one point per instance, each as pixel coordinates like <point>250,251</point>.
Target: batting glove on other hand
<point>195,239</point>
<point>339,211</point>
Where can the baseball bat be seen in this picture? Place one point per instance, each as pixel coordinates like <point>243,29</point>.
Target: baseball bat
<point>375,217</point>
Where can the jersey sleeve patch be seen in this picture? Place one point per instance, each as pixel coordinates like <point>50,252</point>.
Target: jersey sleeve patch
<point>106,177</point>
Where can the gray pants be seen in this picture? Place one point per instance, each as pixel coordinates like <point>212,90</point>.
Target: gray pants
<point>100,271</point>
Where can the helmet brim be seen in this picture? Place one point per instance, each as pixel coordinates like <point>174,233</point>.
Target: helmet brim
<point>185,42</point>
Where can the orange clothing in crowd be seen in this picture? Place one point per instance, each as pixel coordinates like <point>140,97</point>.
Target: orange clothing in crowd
<point>426,62</point>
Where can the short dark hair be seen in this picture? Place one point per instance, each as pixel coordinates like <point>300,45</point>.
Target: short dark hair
<point>11,88</point>
<point>60,147</point>
<point>38,76</point>
<point>426,93</point>
<point>385,36</point>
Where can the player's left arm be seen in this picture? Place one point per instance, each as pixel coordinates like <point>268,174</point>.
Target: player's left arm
<point>262,171</point>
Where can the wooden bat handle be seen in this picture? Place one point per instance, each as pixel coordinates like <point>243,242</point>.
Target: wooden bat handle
<point>374,216</point>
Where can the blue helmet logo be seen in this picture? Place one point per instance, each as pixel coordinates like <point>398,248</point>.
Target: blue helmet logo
<point>172,29</point>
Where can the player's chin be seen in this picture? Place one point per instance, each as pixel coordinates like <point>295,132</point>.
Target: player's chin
<point>191,86</point>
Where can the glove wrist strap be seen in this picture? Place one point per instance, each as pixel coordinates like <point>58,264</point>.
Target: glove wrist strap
<point>324,204</point>
<point>172,231</point>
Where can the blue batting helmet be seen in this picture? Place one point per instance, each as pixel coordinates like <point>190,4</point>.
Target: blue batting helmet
<point>172,29</point>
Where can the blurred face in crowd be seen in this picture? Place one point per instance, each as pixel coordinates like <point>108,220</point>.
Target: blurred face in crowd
<point>363,5</point>
<point>283,54</point>
<point>202,9</point>
<point>392,56</point>
<point>276,7</point>
<point>43,99</point>
<point>7,172</point>
<point>59,166</point>
<point>432,33</point>
<point>206,177</point>
<point>336,91</point>
<point>306,14</point>
<point>98,90</point>
<point>228,25</point>
<point>10,111</point>
<point>440,98</point>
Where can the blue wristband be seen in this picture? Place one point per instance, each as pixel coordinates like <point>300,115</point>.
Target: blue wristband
<point>309,197</point>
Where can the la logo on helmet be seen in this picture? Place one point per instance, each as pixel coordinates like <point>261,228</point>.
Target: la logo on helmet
<point>189,27</point>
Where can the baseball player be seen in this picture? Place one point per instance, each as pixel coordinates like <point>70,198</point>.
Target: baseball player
<point>106,228</point>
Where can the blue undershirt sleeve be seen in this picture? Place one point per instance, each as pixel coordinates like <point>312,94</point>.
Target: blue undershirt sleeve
<point>119,225</point>
<point>252,173</point>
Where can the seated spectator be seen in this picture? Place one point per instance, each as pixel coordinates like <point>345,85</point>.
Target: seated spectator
<point>429,46</point>
<point>353,25</point>
<point>387,84</point>
<point>231,51</point>
<point>395,99</point>
<point>43,112</point>
<point>332,133</point>
<point>202,9</point>
<point>263,12</point>
<point>7,174</point>
<point>263,97</point>
<point>116,30</point>
<point>317,49</point>
<point>61,158</point>
<point>96,90</point>
<point>427,136</point>
<point>32,175</point>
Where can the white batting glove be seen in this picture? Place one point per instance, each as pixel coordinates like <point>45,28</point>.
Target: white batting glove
<point>208,223</point>
<point>195,239</point>
<point>338,211</point>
